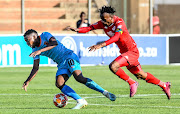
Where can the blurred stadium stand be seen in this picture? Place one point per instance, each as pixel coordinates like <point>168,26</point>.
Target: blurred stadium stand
<point>43,15</point>
<point>55,15</point>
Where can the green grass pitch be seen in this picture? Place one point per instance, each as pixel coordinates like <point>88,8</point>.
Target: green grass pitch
<point>149,99</point>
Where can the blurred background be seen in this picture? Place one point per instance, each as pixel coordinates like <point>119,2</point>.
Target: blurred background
<point>55,15</point>
<point>142,17</point>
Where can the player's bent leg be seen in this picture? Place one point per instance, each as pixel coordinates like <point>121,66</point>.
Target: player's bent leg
<point>79,77</point>
<point>60,83</point>
<point>70,92</point>
<point>135,69</point>
<point>115,68</point>
<point>75,69</point>
<point>92,85</point>
<point>164,85</point>
<point>149,78</point>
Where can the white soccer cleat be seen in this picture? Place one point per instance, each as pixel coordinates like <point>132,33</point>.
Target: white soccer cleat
<point>109,95</point>
<point>81,103</point>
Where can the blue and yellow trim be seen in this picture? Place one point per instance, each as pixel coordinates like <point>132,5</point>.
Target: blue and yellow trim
<point>119,30</point>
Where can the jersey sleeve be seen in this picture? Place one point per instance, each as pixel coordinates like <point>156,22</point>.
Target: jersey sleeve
<point>94,26</point>
<point>113,39</point>
<point>47,36</point>
<point>97,25</point>
<point>37,56</point>
<point>119,27</point>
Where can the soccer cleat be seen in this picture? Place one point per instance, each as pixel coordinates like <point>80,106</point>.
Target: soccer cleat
<point>109,95</point>
<point>133,89</point>
<point>167,90</point>
<point>81,103</point>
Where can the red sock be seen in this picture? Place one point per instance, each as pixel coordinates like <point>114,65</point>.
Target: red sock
<point>121,74</point>
<point>151,79</point>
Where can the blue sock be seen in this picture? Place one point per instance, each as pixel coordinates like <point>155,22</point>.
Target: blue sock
<point>91,84</point>
<point>70,92</point>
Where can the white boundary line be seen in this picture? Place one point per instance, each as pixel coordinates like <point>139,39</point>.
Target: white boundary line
<point>130,105</point>
<point>137,95</point>
<point>114,105</point>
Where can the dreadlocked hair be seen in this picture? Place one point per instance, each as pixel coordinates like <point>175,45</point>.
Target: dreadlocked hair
<point>107,9</point>
<point>28,32</point>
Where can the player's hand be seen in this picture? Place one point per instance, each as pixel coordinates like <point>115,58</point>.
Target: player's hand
<point>94,47</point>
<point>25,85</point>
<point>35,53</point>
<point>72,29</point>
<point>85,21</point>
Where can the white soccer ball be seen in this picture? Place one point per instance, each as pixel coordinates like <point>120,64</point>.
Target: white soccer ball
<point>60,100</point>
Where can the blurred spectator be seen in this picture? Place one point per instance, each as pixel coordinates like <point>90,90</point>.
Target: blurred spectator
<point>156,24</point>
<point>83,22</point>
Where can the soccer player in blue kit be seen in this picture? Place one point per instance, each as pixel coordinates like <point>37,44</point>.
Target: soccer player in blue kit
<point>67,63</point>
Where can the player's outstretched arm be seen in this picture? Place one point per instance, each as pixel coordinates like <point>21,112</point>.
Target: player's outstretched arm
<point>86,29</point>
<point>95,47</point>
<point>52,43</point>
<point>81,30</point>
<point>32,74</point>
<point>72,29</point>
<point>113,39</point>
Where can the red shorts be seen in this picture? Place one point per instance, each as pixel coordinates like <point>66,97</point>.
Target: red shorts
<point>132,58</point>
<point>156,30</point>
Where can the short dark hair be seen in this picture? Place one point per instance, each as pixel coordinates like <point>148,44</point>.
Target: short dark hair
<point>82,13</point>
<point>28,32</point>
<point>106,9</point>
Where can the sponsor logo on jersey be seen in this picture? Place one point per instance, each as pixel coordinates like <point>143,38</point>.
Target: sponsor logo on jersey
<point>114,28</point>
<point>110,33</point>
<point>119,30</point>
<point>69,43</point>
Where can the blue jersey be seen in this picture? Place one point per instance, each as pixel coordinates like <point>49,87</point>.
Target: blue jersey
<point>58,54</point>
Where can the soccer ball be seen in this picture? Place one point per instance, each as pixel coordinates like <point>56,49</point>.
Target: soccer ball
<point>60,100</point>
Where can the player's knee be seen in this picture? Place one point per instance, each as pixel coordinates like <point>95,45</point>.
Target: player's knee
<point>139,76</point>
<point>60,85</point>
<point>113,67</point>
<point>80,78</point>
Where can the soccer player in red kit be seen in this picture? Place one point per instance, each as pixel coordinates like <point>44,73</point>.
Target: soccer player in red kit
<point>116,29</point>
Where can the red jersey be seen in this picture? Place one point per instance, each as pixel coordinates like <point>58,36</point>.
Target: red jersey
<point>117,32</point>
<point>156,27</point>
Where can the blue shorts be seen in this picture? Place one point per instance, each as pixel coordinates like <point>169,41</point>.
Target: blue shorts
<point>69,65</point>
